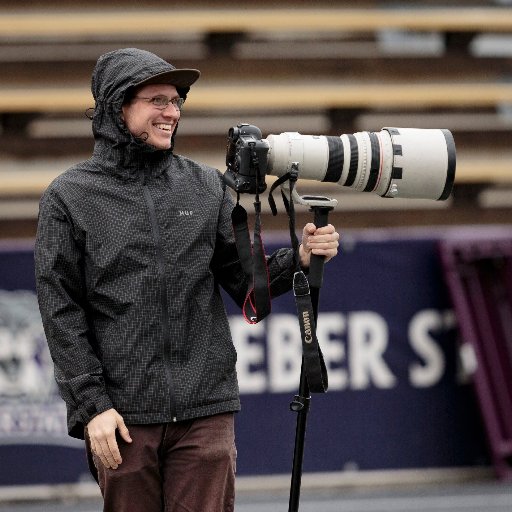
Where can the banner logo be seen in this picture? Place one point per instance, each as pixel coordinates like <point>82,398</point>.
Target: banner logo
<point>31,410</point>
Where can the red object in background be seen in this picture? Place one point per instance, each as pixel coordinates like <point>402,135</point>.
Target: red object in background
<point>479,276</point>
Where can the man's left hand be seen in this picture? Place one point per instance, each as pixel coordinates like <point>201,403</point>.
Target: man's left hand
<point>322,241</point>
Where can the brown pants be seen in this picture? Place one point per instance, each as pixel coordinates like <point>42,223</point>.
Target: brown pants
<point>173,467</point>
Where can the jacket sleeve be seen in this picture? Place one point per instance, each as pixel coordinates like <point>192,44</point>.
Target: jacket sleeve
<point>227,267</point>
<point>61,295</point>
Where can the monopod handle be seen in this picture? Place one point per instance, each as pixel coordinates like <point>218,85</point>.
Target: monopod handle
<point>316,266</point>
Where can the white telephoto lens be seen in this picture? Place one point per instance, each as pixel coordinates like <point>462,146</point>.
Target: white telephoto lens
<point>395,162</point>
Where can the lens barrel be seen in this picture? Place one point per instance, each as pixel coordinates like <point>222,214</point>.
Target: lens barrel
<point>395,162</point>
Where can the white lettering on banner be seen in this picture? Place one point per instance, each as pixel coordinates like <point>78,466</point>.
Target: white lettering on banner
<point>422,326</point>
<point>250,354</point>
<point>27,420</point>
<point>368,340</point>
<point>285,353</point>
<point>329,331</point>
<point>430,372</point>
<point>354,346</point>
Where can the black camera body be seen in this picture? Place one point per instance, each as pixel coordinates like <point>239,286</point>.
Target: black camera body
<point>246,159</point>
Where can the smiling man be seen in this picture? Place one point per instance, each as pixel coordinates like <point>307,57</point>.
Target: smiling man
<point>132,248</point>
<point>153,113</point>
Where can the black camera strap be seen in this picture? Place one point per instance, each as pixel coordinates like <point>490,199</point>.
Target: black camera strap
<point>313,358</point>
<point>257,304</point>
<point>314,363</point>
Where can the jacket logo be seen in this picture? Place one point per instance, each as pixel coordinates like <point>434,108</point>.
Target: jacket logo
<point>185,213</point>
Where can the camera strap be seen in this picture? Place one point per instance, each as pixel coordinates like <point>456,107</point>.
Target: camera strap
<point>257,304</point>
<point>314,363</point>
<point>313,359</point>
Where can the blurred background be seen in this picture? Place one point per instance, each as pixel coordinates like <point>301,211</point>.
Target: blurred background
<point>416,316</point>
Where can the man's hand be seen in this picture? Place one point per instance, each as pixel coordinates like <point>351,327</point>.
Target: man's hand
<point>102,435</point>
<point>322,241</point>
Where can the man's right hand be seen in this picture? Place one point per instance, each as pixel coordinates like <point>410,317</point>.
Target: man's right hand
<point>102,435</point>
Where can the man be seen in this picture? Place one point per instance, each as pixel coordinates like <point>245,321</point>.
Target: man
<point>132,246</point>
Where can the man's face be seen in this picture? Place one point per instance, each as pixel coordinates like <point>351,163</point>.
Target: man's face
<point>142,117</point>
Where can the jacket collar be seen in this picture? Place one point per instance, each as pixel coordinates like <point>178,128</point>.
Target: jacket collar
<point>132,162</point>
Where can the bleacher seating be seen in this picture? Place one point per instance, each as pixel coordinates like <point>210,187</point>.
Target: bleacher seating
<point>323,70</point>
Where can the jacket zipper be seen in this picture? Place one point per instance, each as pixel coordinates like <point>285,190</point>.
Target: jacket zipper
<point>155,229</point>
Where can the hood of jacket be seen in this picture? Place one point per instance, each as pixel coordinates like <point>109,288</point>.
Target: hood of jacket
<point>116,149</point>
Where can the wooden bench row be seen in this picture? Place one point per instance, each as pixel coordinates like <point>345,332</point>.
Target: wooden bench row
<point>280,97</point>
<point>107,23</point>
<point>474,170</point>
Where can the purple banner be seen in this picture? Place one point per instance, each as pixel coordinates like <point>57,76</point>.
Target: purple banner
<point>398,397</point>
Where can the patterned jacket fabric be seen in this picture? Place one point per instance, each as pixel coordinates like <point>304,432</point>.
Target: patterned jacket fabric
<point>132,248</point>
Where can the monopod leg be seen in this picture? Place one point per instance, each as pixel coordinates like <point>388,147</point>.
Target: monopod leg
<point>300,403</point>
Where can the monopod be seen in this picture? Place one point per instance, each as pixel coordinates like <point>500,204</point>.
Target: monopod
<point>321,207</point>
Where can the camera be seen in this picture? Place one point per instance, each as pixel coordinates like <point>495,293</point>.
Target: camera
<point>246,159</point>
<point>395,162</point>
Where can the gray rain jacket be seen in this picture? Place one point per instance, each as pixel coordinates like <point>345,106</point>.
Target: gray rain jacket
<point>132,246</point>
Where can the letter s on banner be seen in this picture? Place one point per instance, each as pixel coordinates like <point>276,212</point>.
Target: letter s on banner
<point>421,329</point>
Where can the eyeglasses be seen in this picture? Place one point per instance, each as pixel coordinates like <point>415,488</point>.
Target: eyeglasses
<point>162,102</point>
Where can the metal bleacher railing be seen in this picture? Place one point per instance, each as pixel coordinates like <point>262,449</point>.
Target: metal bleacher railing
<point>478,273</point>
